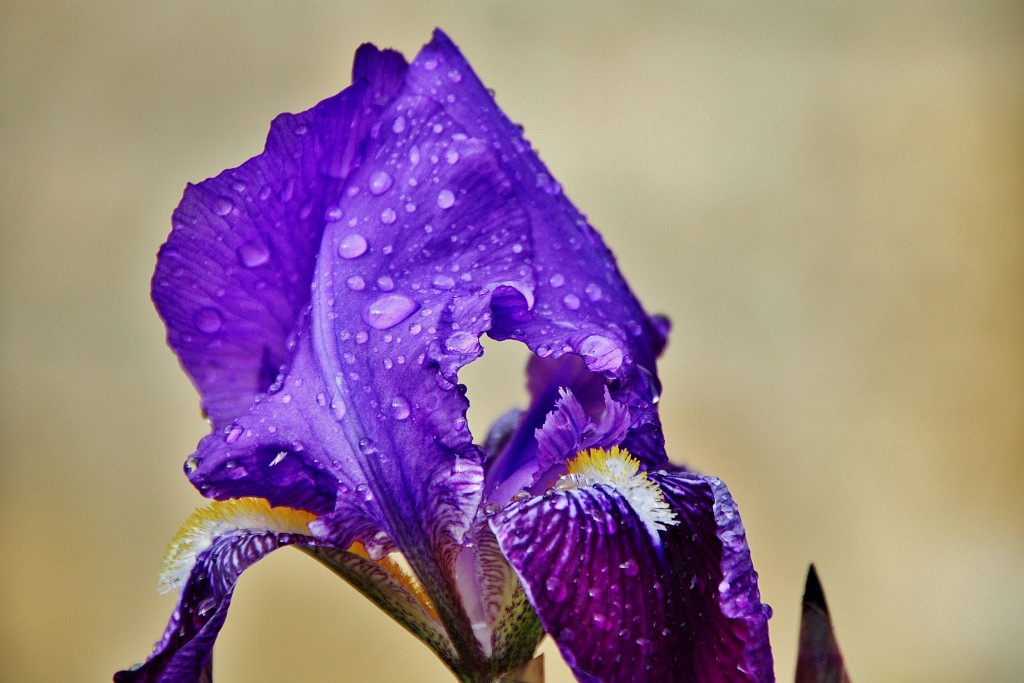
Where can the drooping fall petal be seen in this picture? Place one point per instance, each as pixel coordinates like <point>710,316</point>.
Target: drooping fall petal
<point>624,603</point>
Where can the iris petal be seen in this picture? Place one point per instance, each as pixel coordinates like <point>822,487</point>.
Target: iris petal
<point>623,604</point>
<point>233,277</point>
<point>580,303</point>
<point>215,546</point>
<point>183,653</point>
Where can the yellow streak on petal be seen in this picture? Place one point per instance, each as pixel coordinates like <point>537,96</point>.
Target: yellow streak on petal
<point>219,518</point>
<point>399,574</point>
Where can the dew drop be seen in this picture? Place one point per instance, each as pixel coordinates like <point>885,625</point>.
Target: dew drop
<point>222,206</point>
<point>352,246</point>
<point>380,182</point>
<point>593,292</point>
<point>465,343</point>
<point>355,283</point>
<point>398,125</point>
<point>571,301</point>
<point>288,191</point>
<point>445,199</point>
<point>387,216</point>
<point>557,589</point>
<point>388,311</point>
<point>208,320</point>
<point>443,282</point>
<point>205,607</point>
<point>338,407</point>
<point>556,280</point>
<point>451,156</point>
<point>385,283</point>
<point>400,408</point>
<point>233,433</point>
<point>454,76</point>
<point>191,465</point>
<point>600,353</point>
<point>361,337</point>
<point>321,399</point>
<point>253,254</point>
<point>630,567</point>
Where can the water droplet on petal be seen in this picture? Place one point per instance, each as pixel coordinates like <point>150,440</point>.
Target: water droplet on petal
<point>205,607</point>
<point>593,292</point>
<point>571,301</point>
<point>443,282</point>
<point>355,283</point>
<point>465,343</point>
<point>400,408</point>
<point>398,125</point>
<point>445,199</point>
<point>253,254</point>
<point>556,280</point>
<point>338,407</point>
<point>630,567</point>
<point>234,431</point>
<point>192,464</point>
<point>556,587</point>
<point>388,311</point>
<point>548,184</point>
<point>208,320</point>
<point>352,246</point>
<point>380,182</point>
<point>222,206</point>
<point>385,283</point>
<point>454,76</point>
<point>600,353</point>
<point>387,216</point>
<point>451,156</point>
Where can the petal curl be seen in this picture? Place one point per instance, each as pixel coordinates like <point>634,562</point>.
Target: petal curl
<point>184,652</point>
<point>625,605</point>
<point>218,547</point>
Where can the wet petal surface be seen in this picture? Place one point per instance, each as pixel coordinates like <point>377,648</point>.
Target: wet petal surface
<point>624,604</point>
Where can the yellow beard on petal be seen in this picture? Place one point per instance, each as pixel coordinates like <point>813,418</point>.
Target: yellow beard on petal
<point>621,471</point>
<point>219,518</point>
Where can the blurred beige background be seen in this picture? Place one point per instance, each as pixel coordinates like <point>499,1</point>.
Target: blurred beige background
<point>827,199</point>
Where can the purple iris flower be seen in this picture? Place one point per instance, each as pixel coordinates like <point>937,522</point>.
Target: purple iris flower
<point>323,297</point>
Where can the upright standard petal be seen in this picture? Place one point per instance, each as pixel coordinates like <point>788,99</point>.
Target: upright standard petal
<point>366,426</point>
<point>629,595</point>
<point>233,277</point>
<point>579,303</point>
